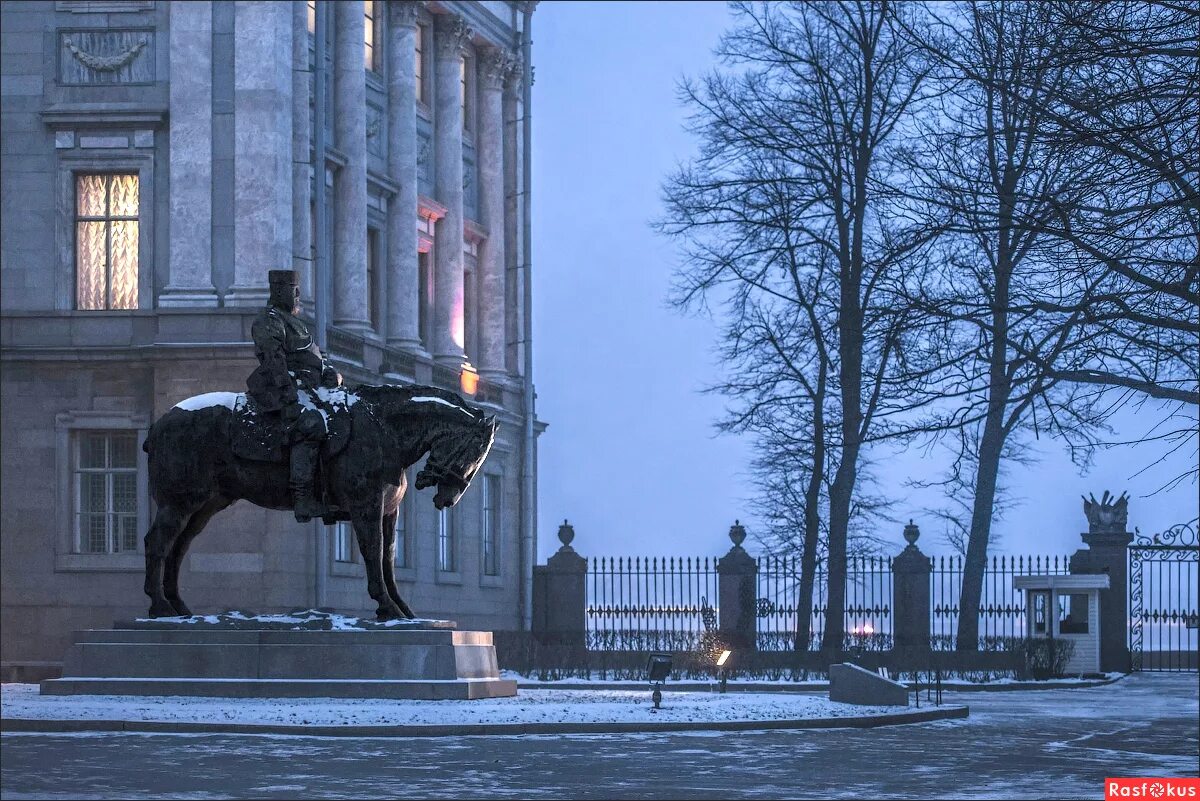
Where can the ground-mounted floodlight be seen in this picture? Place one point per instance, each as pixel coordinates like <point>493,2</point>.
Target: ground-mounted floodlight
<point>721,660</point>
<point>658,668</point>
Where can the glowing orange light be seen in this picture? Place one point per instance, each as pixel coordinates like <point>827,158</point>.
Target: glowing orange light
<point>469,381</point>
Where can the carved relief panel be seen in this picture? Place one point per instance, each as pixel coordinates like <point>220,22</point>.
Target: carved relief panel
<point>105,57</point>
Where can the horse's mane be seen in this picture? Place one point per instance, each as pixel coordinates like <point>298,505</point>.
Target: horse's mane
<point>392,395</point>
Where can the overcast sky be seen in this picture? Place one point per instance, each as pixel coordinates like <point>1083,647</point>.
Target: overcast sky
<point>631,457</point>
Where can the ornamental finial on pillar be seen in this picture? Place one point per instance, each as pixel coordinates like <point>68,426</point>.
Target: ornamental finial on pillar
<point>737,533</point>
<point>566,533</point>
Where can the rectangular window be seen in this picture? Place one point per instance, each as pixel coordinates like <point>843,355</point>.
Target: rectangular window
<point>312,16</point>
<point>106,241</point>
<point>373,273</point>
<point>373,36</point>
<point>425,298</point>
<point>491,525</point>
<point>446,544</point>
<point>403,558</point>
<point>1073,613</point>
<point>469,316</point>
<point>106,493</point>
<point>419,64</point>
<point>466,85</point>
<point>344,549</point>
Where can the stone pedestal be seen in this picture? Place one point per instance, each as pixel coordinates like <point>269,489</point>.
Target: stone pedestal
<point>427,660</point>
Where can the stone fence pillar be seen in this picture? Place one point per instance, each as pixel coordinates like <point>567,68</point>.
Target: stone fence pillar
<point>560,595</point>
<point>910,595</point>
<point>737,577</point>
<point>1108,552</point>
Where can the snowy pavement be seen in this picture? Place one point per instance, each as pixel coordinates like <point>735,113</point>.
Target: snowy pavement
<point>529,706</point>
<point>1016,744</point>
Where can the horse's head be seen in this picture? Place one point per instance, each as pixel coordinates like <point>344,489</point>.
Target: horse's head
<point>455,456</point>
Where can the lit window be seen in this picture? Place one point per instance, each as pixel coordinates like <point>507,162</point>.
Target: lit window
<point>373,276</point>
<point>372,36</point>
<point>491,525</point>
<point>343,542</point>
<point>312,16</point>
<point>446,561</point>
<point>419,64</point>
<point>425,298</point>
<point>106,495</point>
<point>106,241</point>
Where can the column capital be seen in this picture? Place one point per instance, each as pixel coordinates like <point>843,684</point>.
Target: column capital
<point>452,33</point>
<point>497,64</point>
<point>516,69</point>
<point>406,12</point>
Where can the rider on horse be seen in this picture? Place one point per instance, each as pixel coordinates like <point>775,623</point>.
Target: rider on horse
<point>290,369</point>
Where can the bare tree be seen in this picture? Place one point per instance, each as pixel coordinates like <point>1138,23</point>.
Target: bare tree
<point>785,221</point>
<point>995,171</point>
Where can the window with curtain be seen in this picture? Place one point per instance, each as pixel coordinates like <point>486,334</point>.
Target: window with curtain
<point>491,525</point>
<point>447,562</point>
<point>106,241</point>
<point>106,494</point>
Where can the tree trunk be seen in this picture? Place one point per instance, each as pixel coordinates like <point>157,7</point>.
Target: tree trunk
<point>812,522</point>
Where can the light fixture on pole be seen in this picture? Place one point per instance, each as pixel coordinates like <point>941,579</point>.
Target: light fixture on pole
<point>657,669</point>
<point>721,660</point>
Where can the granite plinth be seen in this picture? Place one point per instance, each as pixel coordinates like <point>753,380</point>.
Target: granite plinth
<point>851,684</point>
<point>269,657</point>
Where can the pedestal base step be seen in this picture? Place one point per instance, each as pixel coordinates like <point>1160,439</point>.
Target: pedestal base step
<point>424,690</point>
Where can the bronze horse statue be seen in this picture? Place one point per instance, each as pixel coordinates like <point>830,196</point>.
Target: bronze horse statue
<point>196,472</point>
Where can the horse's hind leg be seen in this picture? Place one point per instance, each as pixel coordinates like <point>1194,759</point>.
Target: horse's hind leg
<point>389,563</point>
<point>175,560</point>
<point>167,525</point>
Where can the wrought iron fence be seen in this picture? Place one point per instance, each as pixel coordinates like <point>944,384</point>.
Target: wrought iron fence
<point>650,603</point>
<point>1001,607</point>
<point>669,603</point>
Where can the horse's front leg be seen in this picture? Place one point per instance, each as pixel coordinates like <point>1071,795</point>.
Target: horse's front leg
<point>368,529</point>
<point>389,562</point>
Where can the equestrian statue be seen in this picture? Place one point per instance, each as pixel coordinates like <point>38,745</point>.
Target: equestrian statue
<point>299,439</point>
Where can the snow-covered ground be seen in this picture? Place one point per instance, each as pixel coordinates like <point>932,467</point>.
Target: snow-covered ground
<point>529,706</point>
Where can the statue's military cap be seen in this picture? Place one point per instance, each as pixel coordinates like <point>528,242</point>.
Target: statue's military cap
<point>281,277</point>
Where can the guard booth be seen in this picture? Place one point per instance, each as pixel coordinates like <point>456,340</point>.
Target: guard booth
<point>1066,607</point>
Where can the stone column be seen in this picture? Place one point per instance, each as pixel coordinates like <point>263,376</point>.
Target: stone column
<point>910,595</point>
<point>262,149</point>
<point>451,34</point>
<point>302,168</point>
<point>496,64</point>
<point>403,282</point>
<point>512,216</point>
<point>1108,552</point>
<point>560,595</point>
<point>191,282</point>
<point>350,304</point>
<point>737,576</point>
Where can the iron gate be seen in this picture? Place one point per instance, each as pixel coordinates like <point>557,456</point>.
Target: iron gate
<point>1164,623</point>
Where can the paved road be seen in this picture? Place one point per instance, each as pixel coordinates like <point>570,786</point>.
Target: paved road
<point>1039,744</point>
